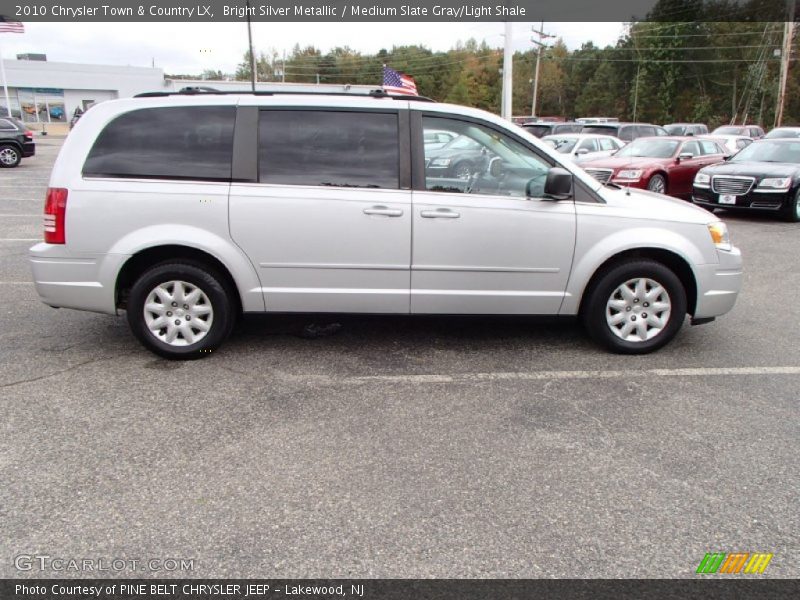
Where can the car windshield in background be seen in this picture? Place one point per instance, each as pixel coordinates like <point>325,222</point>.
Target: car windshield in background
<point>462,142</point>
<point>782,133</point>
<point>563,145</point>
<point>728,131</point>
<point>675,129</point>
<point>538,130</point>
<point>780,152</point>
<point>650,148</point>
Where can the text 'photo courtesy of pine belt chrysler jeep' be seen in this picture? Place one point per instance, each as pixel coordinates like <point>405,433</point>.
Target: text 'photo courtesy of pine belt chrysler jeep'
<point>189,209</point>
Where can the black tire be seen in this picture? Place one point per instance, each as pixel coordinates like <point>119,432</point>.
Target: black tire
<point>210,283</point>
<point>657,183</point>
<point>10,156</point>
<point>465,166</point>
<point>594,307</point>
<point>791,211</point>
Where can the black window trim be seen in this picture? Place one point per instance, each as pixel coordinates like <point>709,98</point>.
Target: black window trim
<point>403,133</point>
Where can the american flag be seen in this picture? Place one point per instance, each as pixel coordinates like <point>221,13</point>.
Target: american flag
<point>398,83</point>
<point>9,26</point>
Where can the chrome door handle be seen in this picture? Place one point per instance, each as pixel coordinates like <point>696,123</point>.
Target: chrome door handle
<point>383,210</point>
<point>440,214</point>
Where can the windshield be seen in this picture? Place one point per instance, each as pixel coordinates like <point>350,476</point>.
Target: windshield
<point>538,130</point>
<point>728,130</point>
<point>562,144</point>
<point>650,148</point>
<point>675,129</point>
<point>782,152</point>
<point>782,133</point>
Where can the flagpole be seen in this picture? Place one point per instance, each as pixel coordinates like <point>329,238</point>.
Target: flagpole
<point>5,82</point>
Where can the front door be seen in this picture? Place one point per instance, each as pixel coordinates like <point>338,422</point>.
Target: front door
<point>481,244</point>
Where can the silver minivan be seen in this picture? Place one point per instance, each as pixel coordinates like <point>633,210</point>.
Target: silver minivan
<point>186,210</point>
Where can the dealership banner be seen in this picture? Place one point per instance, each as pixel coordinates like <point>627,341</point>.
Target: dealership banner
<point>406,10</point>
<point>396,589</point>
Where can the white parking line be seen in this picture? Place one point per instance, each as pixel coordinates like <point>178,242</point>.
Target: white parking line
<point>554,375</point>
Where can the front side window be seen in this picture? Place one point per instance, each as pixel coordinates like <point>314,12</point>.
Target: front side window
<point>481,160</point>
<point>606,144</point>
<point>329,148</point>
<point>691,148</point>
<point>187,142</point>
<point>589,145</point>
<point>709,147</point>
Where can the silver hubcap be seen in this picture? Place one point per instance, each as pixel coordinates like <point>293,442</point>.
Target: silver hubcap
<point>657,185</point>
<point>178,313</point>
<point>638,310</point>
<point>8,156</point>
<point>797,206</point>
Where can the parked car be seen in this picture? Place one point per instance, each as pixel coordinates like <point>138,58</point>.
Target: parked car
<point>460,158</point>
<point>543,128</point>
<point>783,132</point>
<point>731,143</point>
<point>16,142</point>
<point>580,147</point>
<point>56,112</point>
<point>765,176</point>
<point>624,131</point>
<point>588,120</point>
<point>686,129</point>
<point>666,165</point>
<point>752,131</point>
<point>185,210</point>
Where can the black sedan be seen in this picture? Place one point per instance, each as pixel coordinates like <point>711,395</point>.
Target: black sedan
<point>458,159</point>
<point>765,176</point>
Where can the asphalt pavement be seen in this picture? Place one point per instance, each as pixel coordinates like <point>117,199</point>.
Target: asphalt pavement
<point>398,447</point>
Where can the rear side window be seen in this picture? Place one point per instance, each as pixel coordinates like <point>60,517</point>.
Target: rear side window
<point>329,148</point>
<point>7,125</point>
<point>187,142</point>
<point>628,134</point>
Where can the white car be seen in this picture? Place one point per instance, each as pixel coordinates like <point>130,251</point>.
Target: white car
<point>731,143</point>
<point>186,210</point>
<point>578,147</point>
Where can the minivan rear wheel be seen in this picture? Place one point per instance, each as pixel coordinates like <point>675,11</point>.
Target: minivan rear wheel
<point>9,156</point>
<point>180,310</point>
<point>635,307</point>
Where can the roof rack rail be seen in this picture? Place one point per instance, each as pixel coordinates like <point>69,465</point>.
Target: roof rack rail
<point>203,90</point>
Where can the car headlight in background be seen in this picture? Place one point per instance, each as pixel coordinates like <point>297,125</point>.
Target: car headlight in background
<point>775,183</point>
<point>719,234</point>
<point>630,174</point>
<point>702,179</point>
<point>441,162</point>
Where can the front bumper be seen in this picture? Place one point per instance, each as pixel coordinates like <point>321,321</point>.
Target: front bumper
<point>718,285</point>
<point>753,200</point>
<point>83,282</point>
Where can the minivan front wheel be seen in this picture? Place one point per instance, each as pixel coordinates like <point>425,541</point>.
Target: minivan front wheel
<point>9,156</point>
<point>635,307</point>
<point>180,310</point>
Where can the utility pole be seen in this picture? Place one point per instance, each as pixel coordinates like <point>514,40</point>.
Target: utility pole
<point>541,46</point>
<point>786,56</point>
<point>252,54</point>
<point>508,59</point>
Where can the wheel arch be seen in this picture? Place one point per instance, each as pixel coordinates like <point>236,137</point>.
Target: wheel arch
<point>673,261</point>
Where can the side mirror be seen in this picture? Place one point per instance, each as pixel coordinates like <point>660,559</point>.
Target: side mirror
<point>496,167</point>
<point>685,156</point>
<point>582,151</point>
<point>558,185</point>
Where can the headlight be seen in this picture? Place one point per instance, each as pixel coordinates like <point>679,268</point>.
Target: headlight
<point>719,235</point>
<point>441,162</point>
<point>702,179</point>
<point>776,183</point>
<point>630,174</point>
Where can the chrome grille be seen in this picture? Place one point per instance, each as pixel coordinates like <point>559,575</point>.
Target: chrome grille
<point>736,186</point>
<point>602,175</point>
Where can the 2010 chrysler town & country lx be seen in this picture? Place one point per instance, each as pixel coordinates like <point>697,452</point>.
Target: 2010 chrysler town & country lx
<point>187,209</point>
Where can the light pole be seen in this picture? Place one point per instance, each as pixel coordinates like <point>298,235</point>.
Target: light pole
<point>542,36</point>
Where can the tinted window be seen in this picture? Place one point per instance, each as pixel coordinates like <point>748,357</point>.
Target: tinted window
<point>330,148</point>
<point>6,124</point>
<point>691,148</point>
<point>538,130</point>
<point>193,142</point>
<point>601,129</point>
<point>770,151</point>
<point>646,130</point>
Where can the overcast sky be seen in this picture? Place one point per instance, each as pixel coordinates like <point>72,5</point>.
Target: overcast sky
<point>192,47</point>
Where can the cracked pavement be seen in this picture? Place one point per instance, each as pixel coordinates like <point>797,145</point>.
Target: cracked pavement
<point>399,447</point>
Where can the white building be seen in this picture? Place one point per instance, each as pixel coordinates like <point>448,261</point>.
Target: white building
<point>50,92</point>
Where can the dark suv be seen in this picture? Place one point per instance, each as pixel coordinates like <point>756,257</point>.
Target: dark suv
<point>627,132</point>
<point>543,128</point>
<point>16,141</point>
